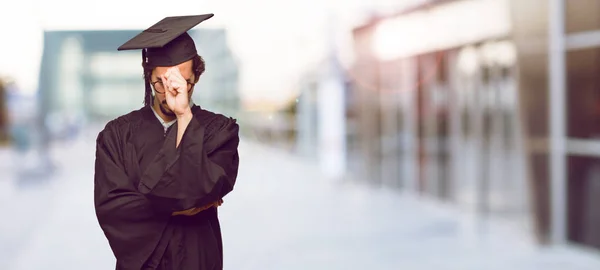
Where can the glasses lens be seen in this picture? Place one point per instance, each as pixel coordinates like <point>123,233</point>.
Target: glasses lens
<point>159,87</point>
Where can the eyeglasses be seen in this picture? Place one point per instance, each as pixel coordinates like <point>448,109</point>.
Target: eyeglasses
<point>159,87</point>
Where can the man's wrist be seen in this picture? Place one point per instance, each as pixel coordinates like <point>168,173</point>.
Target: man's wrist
<point>186,116</point>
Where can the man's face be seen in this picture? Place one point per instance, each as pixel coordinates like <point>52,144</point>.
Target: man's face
<point>160,100</point>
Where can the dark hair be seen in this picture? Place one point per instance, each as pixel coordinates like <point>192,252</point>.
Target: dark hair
<point>198,66</point>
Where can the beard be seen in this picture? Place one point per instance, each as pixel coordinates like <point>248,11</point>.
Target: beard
<point>164,108</point>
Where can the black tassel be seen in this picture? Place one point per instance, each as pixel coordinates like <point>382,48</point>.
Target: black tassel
<point>148,90</point>
<point>148,95</point>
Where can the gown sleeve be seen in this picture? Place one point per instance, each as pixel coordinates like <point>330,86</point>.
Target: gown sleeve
<point>202,170</point>
<point>130,223</point>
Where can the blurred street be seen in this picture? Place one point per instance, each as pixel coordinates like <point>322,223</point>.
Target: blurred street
<point>282,215</point>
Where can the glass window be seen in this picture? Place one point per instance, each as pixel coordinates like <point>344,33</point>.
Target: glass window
<point>582,15</point>
<point>111,99</point>
<point>583,200</point>
<point>433,120</point>
<point>116,83</point>
<point>583,93</point>
<point>111,65</point>
<point>69,77</point>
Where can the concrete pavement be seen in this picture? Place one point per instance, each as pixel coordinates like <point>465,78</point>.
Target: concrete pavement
<point>284,215</point>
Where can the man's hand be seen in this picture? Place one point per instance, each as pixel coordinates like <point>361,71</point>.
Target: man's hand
<point>176,91</point>
<point>196,210</point>
<point>218,203</point>
<point>189,212</point>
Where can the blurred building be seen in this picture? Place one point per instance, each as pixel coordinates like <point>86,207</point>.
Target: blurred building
<point>83,76</point>
<point>461,100</point>
<point>324,121</point>
<point>218,89</point>
<point>439,110</point>
<point>3,114</point>
<point>307,115</point>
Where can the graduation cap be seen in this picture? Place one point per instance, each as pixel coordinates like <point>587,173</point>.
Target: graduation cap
<point>167,42</point>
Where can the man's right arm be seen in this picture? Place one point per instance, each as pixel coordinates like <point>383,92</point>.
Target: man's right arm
<point>132,226</point>
<point>115,196</point>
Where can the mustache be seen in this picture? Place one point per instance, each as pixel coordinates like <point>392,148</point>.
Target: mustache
<point>165,109</point>
<point>164,102</point>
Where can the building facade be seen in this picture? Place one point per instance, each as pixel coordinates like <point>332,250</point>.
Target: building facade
<point>488,104</point>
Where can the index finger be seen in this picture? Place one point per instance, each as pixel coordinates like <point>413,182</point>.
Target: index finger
<point>172,71</point>
<point>176,72</point>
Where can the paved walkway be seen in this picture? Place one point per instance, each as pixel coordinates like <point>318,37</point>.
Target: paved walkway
<point>282,215</point>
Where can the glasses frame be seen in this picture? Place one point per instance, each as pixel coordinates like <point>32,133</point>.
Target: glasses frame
<point>189,86</point>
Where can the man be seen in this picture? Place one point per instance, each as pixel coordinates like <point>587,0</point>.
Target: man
<point>162,170</point>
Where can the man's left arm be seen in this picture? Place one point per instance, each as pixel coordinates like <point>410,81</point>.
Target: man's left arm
<point>194,168</point>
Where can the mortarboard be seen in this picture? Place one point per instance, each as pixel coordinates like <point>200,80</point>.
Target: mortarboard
<point>167,42</point>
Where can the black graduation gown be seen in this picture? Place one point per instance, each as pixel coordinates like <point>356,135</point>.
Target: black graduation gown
<point>141,178</point>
